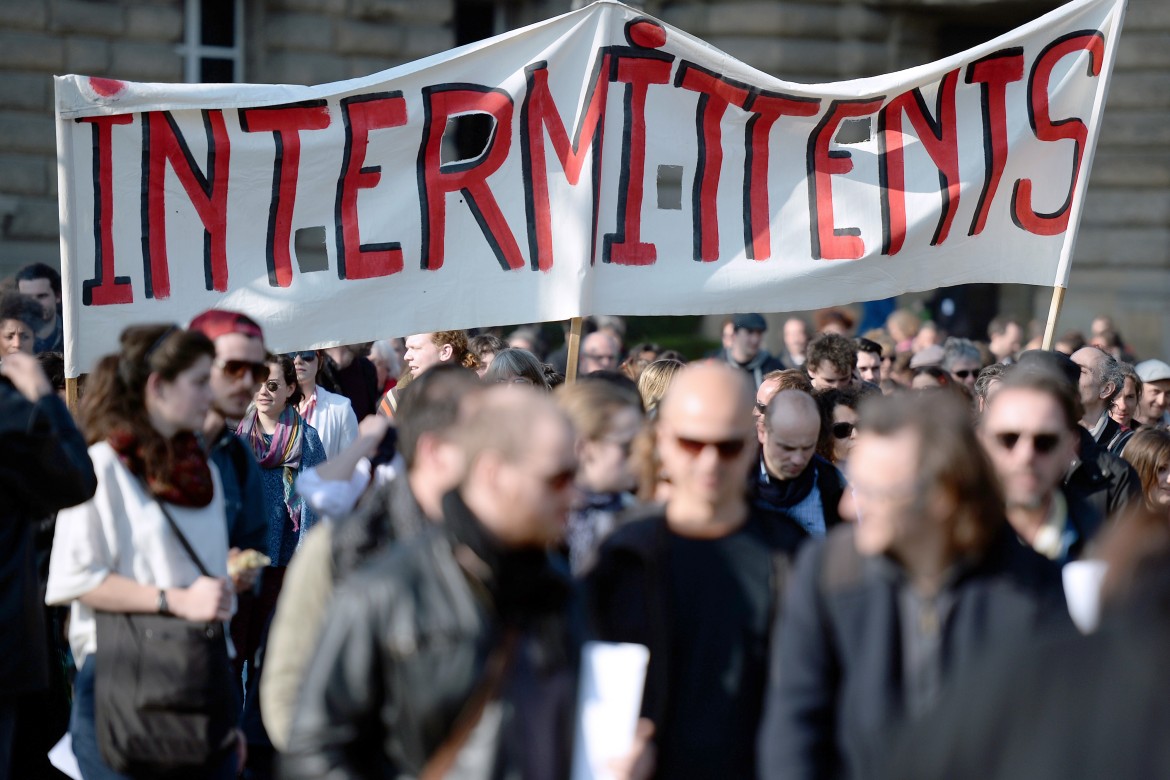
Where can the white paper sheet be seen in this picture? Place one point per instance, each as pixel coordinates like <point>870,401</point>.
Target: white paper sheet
<point>609,698</point>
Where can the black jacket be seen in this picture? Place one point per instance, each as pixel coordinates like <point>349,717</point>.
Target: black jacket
<point>406,643</point>
<point>629,599</point>
<point>830,484</point>
<point>835,686</point>
<point>388,513</point>
<point>44,467</point>
<point>1101,478</point>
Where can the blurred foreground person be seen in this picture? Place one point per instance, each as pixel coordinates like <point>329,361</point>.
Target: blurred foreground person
<point>697,581</point>
<point>457,648</point>
<point>43,468</point>
<point>394,511</point>
<point>885,612</point>
<point>1066,707</point>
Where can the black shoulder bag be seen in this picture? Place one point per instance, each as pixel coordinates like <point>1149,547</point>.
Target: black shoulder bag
<point>165,698</point>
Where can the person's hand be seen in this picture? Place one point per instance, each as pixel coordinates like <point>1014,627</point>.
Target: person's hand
<point>371,431</point>
<point>245,577</point>
<point>24,371</point>
<point>640,761</point>
<point>205,600</point>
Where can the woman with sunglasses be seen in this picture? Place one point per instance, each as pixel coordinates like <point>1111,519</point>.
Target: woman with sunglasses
<point>285,445</point>
<point>839,412</point>
<point>330,414</point>
<point>118,552</point>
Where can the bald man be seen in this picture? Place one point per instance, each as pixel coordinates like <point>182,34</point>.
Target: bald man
<point>794,485</point>
<point>418,632</point>
<point>697,580</point>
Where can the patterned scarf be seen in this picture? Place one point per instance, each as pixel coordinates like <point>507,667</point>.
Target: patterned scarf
<point>282,450</point>
<point>186,483</point>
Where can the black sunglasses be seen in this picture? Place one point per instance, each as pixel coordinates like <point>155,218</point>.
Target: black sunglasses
<point>727,449</point>
<point>843,430</point>
<point>237,369</point>
<point>966,372</point>
<point>308,356</point>
<point>761,408</point>
<point>1042,443</point>
<point>272,385</point>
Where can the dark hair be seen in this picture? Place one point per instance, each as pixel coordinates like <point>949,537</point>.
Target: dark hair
<point>430,404</point>
<point>486,343</point>
<point>288,372</point>
<point>53,364</point>
<point>40,271</point>
<point>865,345</point>
<point>14,306</point>
<point>1000,325</point>
<point>836,349</point>
<point>943,378</point>
<point>829,399</point>
<point>949,457</point>
<point>115,393</point>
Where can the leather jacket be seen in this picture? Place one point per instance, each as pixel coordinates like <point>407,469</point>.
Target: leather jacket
<point>406,645</point>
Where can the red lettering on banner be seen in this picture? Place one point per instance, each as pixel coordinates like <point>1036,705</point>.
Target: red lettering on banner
<point>469,177</point>
<point>993,73</point>
<point>939,137</point>
<point>767,107</point>
<point>285,123</point>
<point>361,114</point>
<point>104,288</point>
<point>538,115</point>
<point>162,143</point>
<point>1073,128</point>
<point>715,95</point>
<point>830,242</point>
<point>637,68</point>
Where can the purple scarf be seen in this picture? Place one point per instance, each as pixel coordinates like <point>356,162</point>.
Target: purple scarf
<point>283,450</point>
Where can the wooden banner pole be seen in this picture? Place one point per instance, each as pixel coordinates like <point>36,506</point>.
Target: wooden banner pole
<point>574,348</point>
<point>71,395</point>
<point>1053,316</point>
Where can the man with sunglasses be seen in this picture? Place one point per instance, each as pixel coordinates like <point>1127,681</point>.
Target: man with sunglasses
<point>794,486</point>
<point>464,636</point>
<point>961,359</point>
<point>1030,431</point>
<point>697,580</point>
<point>237,372</point>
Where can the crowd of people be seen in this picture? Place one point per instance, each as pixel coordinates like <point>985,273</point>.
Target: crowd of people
<point>891,554</point>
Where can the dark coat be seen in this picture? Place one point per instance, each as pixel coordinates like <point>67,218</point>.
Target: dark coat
<point>830,484</point>
<point>44,467</point>
<point>1101,478</point>
<point>628,594</point>
<point>405,645</point>
<point>835,685</point>
<point>1069,708</point>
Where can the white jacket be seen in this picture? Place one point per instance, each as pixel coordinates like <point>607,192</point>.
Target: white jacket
<point>334,420</point>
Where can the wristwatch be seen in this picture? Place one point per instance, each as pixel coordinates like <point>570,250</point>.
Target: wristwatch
<point>163,607</point>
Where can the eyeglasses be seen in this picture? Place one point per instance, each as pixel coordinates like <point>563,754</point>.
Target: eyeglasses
<point>238,369</point>
<point>727,449</point>
<point>761,408</point>
<point>599,358</point>
<point>272,385</point>
<point>964,373</point>
<point>1042,443</point>
<point>307,356</point>
<point>843,430</point>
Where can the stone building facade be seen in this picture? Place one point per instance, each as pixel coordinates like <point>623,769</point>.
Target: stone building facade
<point>1122,264</point>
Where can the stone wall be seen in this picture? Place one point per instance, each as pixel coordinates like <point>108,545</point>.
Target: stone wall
<point>1123,255</point>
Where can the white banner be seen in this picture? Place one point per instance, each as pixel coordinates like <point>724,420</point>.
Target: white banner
<point>630,169</point>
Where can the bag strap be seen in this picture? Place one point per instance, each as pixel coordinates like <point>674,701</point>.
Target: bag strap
<point>495,669</point>
<point>182,539</point>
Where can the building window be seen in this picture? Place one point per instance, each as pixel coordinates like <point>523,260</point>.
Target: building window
<point>213,43</point>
